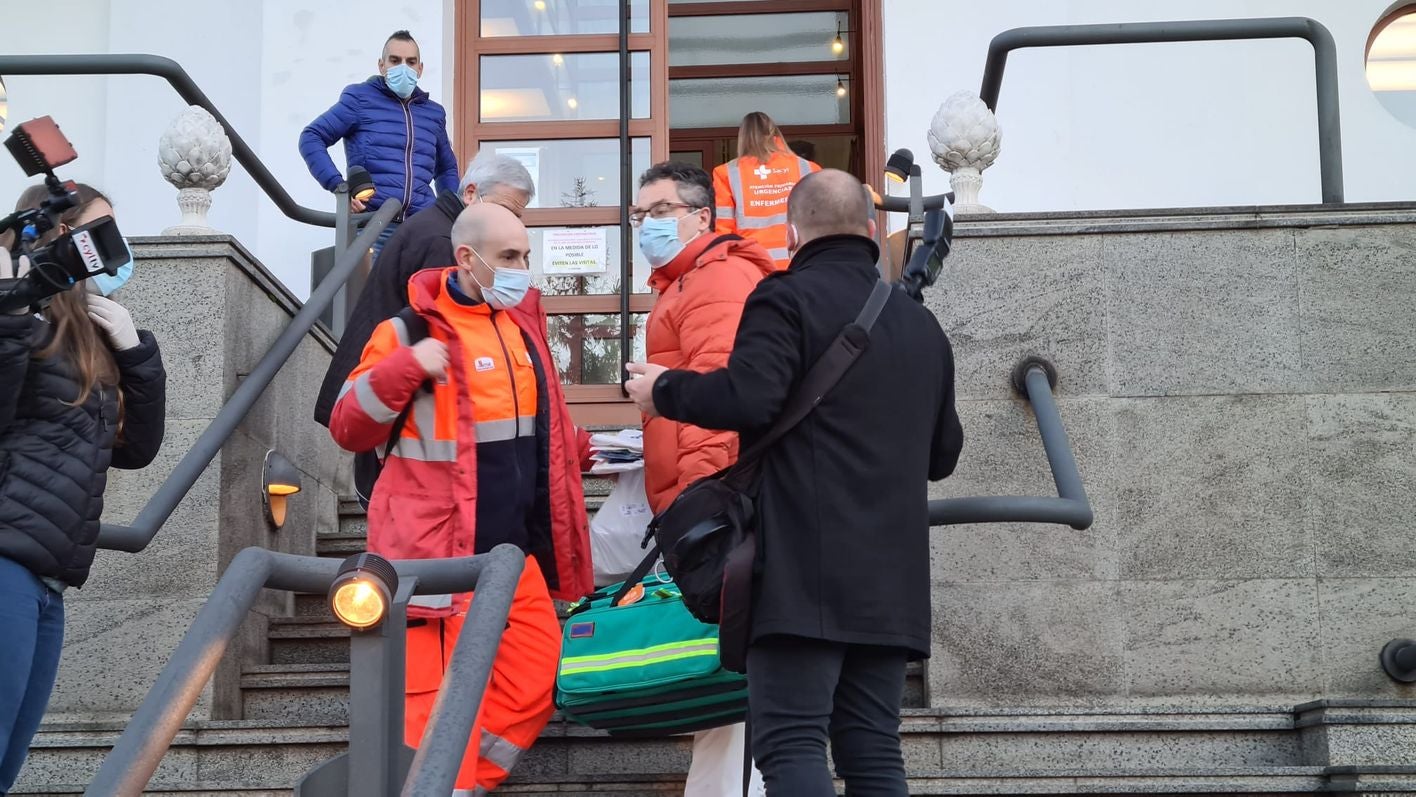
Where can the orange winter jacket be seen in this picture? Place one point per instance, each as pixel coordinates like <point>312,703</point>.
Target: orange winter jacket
<point>701,294</point>
<point>751,198</point>
<point>501,394</point>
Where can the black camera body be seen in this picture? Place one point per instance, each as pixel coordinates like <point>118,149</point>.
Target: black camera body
<point>83,252</point>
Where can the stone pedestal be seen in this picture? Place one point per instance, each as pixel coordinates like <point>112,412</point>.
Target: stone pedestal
<point>215,311</point>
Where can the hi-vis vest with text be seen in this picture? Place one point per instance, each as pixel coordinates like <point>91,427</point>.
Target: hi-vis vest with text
<point>751,199</point>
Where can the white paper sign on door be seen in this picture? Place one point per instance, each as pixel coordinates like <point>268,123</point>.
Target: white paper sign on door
<point>579,250</point>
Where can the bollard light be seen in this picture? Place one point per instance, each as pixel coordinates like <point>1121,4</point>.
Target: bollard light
<point>361,184</point>
<point>360,594</point>
<point>280,479</point>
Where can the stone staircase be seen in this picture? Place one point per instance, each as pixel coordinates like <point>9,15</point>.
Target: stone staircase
<point>295,715</point>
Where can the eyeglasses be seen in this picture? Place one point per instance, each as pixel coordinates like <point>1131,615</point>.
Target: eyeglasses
<point>662,210</point>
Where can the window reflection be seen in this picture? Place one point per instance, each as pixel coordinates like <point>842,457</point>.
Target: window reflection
<point>528,88</point>
<point>1391,65</point>
<point>559,17</point>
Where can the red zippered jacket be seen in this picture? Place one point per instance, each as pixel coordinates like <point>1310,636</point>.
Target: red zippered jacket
<point>424,504</point>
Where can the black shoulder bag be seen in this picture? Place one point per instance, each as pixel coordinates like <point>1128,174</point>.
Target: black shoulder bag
<point>706,535</point>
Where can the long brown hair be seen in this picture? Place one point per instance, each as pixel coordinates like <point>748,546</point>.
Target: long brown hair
<point>75,336</point>
<point>759,137</point>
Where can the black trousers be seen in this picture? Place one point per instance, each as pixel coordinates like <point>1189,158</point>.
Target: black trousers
<point>803,692</point>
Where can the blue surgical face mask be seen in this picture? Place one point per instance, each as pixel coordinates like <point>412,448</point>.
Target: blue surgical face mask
<point>106,284</point>
<point>509,285</point>
<point>659,240</point>
<point>401,80</point>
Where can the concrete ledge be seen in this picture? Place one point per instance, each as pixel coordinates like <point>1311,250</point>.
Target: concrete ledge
<point>1252,217</point>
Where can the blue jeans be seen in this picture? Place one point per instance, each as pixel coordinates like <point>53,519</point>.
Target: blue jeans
<point>382,239</point>
<point>32,627</point>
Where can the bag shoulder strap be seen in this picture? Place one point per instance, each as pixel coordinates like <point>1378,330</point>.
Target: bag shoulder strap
<point>824,373</point>
<point>417,327</point>
<point>640,571</point>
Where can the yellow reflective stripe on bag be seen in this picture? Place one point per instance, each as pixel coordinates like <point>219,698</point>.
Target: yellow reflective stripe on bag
<point>658,654</point>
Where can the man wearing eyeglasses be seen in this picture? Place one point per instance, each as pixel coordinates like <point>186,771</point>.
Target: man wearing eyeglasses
<point>702,280</point>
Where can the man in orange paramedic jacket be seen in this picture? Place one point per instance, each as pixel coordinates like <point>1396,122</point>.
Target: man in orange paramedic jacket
<point>488,455</point>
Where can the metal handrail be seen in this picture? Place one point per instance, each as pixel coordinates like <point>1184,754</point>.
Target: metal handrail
<point>1034,378</point>
<point>135,537</point>
<point>1324,63</point>
<point>139,750</point>
<point>174,74</point>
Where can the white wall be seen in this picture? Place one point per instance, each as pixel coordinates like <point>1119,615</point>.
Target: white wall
<point>271,66</point>
<point>1188,124</point>
<point>1168,125</point>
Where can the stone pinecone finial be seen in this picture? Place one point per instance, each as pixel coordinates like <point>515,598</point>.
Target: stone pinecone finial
<point>965,139</point>
<point>194,154</point>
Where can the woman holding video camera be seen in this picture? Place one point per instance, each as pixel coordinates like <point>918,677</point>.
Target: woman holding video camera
<point>80,389</point>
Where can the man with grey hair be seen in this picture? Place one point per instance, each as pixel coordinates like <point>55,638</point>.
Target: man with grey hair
<point>424,241</point>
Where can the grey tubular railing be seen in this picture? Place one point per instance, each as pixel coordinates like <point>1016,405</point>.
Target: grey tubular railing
<point>1034,378</point>
<point>1324,55</point>
<point>160,507</point>
<point>130,765</point>
<point>174,74</point>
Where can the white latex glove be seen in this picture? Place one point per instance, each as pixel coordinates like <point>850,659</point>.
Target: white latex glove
<point>114,320</point>
<point>9,270</point>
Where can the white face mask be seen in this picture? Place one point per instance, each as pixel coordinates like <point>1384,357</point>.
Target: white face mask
<point>509,285</point>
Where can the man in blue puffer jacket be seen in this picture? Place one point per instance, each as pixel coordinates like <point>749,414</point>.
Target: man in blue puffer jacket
<point>391,128</point>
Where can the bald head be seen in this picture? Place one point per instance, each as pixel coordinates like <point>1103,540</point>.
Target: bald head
<point>829,202</point>
<point>486,237</point>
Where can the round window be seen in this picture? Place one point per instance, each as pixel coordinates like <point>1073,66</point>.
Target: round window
<point>1391,62</point>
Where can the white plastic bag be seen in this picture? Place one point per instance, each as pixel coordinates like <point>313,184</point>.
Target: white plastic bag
<point>618,528</point>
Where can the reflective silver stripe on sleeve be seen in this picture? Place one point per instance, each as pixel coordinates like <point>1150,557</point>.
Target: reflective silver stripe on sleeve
<point>803,167</point>
<point>779,253</point>
<point>499,751</point>
<point>370,403</point>
<point>735,185</point>
<point>401,329</point>
<point>760,222</point>
<point>426,450</point>
<point>506,429</point>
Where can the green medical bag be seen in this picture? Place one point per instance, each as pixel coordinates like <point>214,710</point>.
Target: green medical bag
<point>646,667</point>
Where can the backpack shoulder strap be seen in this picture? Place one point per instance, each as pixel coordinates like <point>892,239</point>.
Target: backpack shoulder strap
<point>416,327</point>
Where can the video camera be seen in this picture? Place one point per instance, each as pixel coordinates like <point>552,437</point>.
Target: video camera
<point>94,248</point>
<point>929,235</point>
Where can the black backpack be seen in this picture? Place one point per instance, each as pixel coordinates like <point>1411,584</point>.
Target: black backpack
<point>368,464</point>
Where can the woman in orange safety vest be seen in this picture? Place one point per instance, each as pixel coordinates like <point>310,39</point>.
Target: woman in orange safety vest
<point>751,190</point>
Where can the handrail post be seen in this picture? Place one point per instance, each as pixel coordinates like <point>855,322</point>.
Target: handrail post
<point>377,761</point>
<point>449,728</point>
<point>130,764</point>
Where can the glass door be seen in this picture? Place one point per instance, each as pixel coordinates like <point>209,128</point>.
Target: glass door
<point>581,99</point>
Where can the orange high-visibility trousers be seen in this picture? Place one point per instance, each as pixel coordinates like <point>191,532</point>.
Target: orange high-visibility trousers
<point>519,698</point>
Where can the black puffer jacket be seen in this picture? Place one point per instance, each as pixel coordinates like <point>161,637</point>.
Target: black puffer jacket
<point>54,456</point>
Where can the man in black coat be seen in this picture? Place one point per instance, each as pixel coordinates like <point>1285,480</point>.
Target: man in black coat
<point>424,241</point>
<point>841,601</point>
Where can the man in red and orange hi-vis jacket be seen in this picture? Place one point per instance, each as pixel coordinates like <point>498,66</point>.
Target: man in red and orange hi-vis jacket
<point>487,456</point>
<point>751,190</point>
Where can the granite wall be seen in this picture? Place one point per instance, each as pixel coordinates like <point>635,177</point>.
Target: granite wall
<point>1240,391</point>
<point>215,311</point>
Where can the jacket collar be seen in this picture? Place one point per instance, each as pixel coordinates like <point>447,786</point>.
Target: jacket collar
<point>426,286</point>
<point>833,247</point>
<point>377,81</point>
<point>450,203</point>
<point>707,249</point>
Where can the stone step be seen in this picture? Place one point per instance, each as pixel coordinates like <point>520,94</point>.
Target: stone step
<point>255,757</point>
<point>319,692</point>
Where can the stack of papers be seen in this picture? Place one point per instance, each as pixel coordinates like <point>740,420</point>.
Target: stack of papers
<point>617,452</point>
